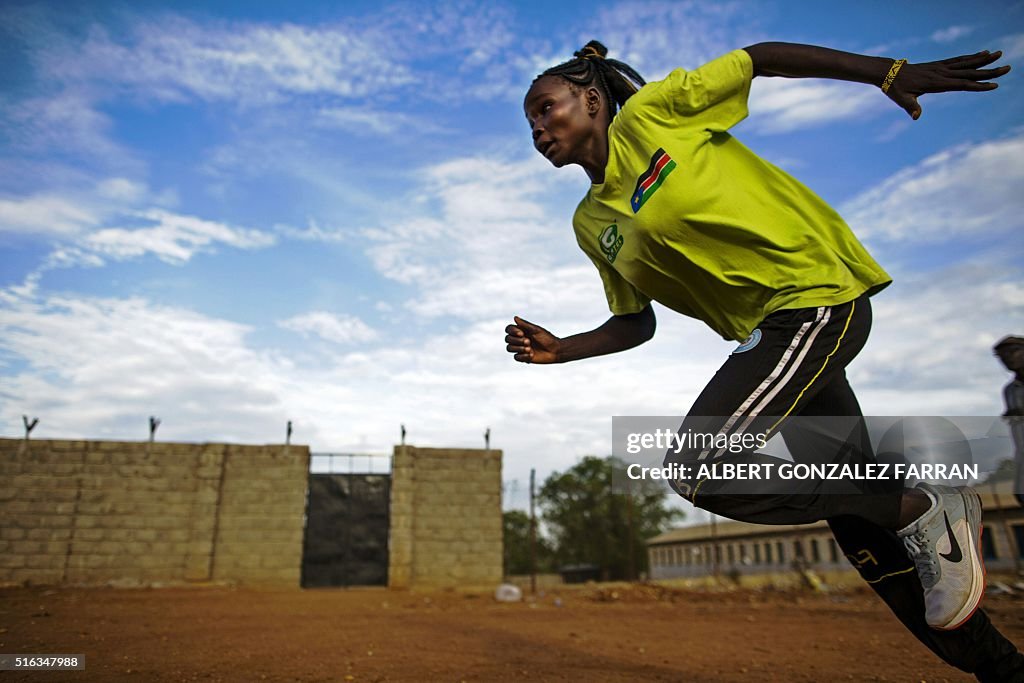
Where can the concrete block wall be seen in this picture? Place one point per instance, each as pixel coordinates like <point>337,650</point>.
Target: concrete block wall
<point>445,518</point>
<point>90,512</point>
<point>262,515</point>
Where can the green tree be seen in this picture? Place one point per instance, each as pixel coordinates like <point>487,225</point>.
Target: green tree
<point>516,524</point>
<point>1004,471</point>
<point>589,524</point>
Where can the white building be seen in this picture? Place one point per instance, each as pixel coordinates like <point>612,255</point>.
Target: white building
<point>731,548</point>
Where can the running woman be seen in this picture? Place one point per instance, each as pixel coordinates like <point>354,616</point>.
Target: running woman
<point>680,212</point>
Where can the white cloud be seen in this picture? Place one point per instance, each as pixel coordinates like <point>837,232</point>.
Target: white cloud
<point>485,237</point>
<point>340,329</point>
<point>74,210</point>
<point>122,190</point>
<point>374,122</point>
<point>968,190</point>
<point>46,214</point>
<point>931,346</point>
<point>86,226</point>
<point>172,238</point>
<point>175,59</point>
<point>952,33</point>
<point>655,37</point>
<point>65,120</point>
<point>781,105</point>
<point>527,289</point>
<point>1012,46</point>
<point>69,256</point>
<point>314,233</point>
<point>99,367</point>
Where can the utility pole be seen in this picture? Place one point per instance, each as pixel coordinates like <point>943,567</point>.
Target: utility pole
<point>714,545</point>
<point>630,561</point>
<point>533,538</point>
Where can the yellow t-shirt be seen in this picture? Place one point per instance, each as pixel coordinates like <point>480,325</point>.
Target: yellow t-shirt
<point>691,218</point>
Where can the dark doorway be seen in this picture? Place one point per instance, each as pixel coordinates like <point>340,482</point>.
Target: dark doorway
<point>346,541</point>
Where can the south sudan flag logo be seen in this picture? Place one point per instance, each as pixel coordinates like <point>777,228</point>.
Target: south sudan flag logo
<point>651,180</point>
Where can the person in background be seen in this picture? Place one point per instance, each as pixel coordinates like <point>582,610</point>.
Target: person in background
<point>1010,350</point>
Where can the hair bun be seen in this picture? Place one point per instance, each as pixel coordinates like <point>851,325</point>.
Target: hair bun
<point>592,49</point>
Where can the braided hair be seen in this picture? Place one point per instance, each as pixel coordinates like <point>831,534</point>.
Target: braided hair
<point>590,66</point>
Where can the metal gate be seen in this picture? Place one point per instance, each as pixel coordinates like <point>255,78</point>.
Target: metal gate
<point>346,542</point>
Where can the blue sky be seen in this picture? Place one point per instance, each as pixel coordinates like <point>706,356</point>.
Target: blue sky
<point>232,215</point>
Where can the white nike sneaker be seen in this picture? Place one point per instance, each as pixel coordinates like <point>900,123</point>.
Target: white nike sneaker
<point>945,545</point>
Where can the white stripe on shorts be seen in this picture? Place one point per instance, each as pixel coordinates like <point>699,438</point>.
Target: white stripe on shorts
<point>772,376</point>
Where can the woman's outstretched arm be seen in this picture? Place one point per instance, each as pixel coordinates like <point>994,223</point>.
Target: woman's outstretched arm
<point>904,82</point>
<point>531,343</point>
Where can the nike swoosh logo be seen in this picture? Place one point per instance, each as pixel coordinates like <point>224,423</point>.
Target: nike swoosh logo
<point>954,554</point>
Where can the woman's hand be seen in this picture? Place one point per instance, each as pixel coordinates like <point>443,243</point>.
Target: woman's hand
<point>531,343</point>
<point>955,73</point>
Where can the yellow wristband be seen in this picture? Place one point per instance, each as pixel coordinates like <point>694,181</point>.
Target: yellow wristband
<point>895,69</point>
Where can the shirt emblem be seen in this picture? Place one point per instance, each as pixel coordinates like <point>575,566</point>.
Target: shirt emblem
<point>647,184</point>
<point>750,342</point>
<point>611,241</point>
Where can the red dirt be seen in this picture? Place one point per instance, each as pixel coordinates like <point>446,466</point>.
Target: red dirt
<point>595,633</point>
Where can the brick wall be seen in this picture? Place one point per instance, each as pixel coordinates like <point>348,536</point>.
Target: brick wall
<point>87,512</point>
<point>445,518</point>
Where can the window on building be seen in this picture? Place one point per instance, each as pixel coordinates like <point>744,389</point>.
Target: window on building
<point>798,549</point>
<point>757,553</point>
<point>730,553</point>
<point>767,553</point>
<point>1018,537</point>
<point>815,553</point>
<point>833,550</point>
<point>781,552</point>
<point>988,546</point>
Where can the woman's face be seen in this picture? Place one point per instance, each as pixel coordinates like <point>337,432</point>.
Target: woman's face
<point>562,118</point>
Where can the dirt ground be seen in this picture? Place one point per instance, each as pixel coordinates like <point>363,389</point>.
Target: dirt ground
<point>594,633</point>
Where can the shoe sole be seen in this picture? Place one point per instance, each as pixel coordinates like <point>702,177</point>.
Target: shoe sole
<point>972,513</point>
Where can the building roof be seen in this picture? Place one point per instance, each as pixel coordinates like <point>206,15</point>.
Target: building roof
<point>728,529</point>
<point>997,496</point>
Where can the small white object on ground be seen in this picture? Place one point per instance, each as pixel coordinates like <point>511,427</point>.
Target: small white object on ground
<point>506,592</point>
